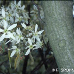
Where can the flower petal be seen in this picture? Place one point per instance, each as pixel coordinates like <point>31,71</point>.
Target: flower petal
<point>17,15</point>
<point>18,41</point>
<point>28,51</point>
<point>10,35</point>
<point>40,31</point>
<point>14,47</point>
<point>13,52</point>
<point>12,26</point>
<point>38,39</point>
<point>23,25</point>
<point>36,27</point>
<point>5,24</point>
<point>2,37</point>
<point>18,31</point>
<point>3,12</point>
<point>29,41</point>
<point>1,30</point>
<point>19,3</point>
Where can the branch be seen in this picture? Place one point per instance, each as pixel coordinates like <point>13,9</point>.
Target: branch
<point>38,12</point>
<point>42,57</point>
<point>25,64</point>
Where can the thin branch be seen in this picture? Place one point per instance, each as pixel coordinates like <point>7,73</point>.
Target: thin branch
<point>37,67</point>
<point>25,64</point>
<point>38,12</point>
<point>43,58</point>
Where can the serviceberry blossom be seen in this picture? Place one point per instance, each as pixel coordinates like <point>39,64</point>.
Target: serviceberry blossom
<point>10,15</point>
<point>16,5</point>
<point>19,35</point>
<point>3,15</point>
<point>6,31</point>
<point>36,33</point>
<point>18,18</point>
<point>15,51</point>
<point>31,46</point>
<point>14,29</point>
<point>24,25</point>
<point>39,44</point>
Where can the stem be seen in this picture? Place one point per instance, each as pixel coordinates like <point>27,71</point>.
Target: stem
<point>42,57</point>
<point>25,64</point>
<point>39,18</point>
<point>29,15</point>
<point>37,67</point>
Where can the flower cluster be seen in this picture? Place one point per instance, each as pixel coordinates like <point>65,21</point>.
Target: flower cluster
<point>14,29</point>
<point>15,13</point>
<point>28,35</point>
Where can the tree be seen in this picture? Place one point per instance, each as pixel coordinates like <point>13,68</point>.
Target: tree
<point>59,29</point>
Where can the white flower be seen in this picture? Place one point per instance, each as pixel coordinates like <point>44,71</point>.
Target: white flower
<point>39,44</point>
<point>6,31</point>
<point>25,17</point>
<point>31,46</point>
<point>16,50</point>
<point>22,8</point>
<point>13,40</point>
<point>19,35</point>
<point>18,18</point>
<point>3,15</point>
<point>24,25</point>
<point>36,33</point>
<point>35,11</point>
<point>9,15</point>
<point>18,6</point>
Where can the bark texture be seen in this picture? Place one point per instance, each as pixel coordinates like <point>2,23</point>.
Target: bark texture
<point>59,29</point>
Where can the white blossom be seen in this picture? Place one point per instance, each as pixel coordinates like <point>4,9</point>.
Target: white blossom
<point>19,35</point>
<point>10,15</point>
<point>18,18</point>
<point>16,50</point>
<point>4,17</point>
<point>36,33</point>
<point>31,46</point>
<point>6,31</point>
<point>39,44</point>
<point>24,25</point>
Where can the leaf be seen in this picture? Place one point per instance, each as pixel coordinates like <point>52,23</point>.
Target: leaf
<point>17,61</point>
<point>9,58</point>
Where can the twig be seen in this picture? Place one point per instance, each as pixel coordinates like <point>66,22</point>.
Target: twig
<point>25,64</point>
<point>37,67</point>
<point>43,58</point>
<point>48,60</point>
<point>38,12</point>
<point>29,15</point>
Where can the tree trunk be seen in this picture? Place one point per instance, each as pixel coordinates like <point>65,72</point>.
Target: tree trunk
<point>59,29</point>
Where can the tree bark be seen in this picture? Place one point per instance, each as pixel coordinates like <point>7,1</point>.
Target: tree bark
<point>59,29</point>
